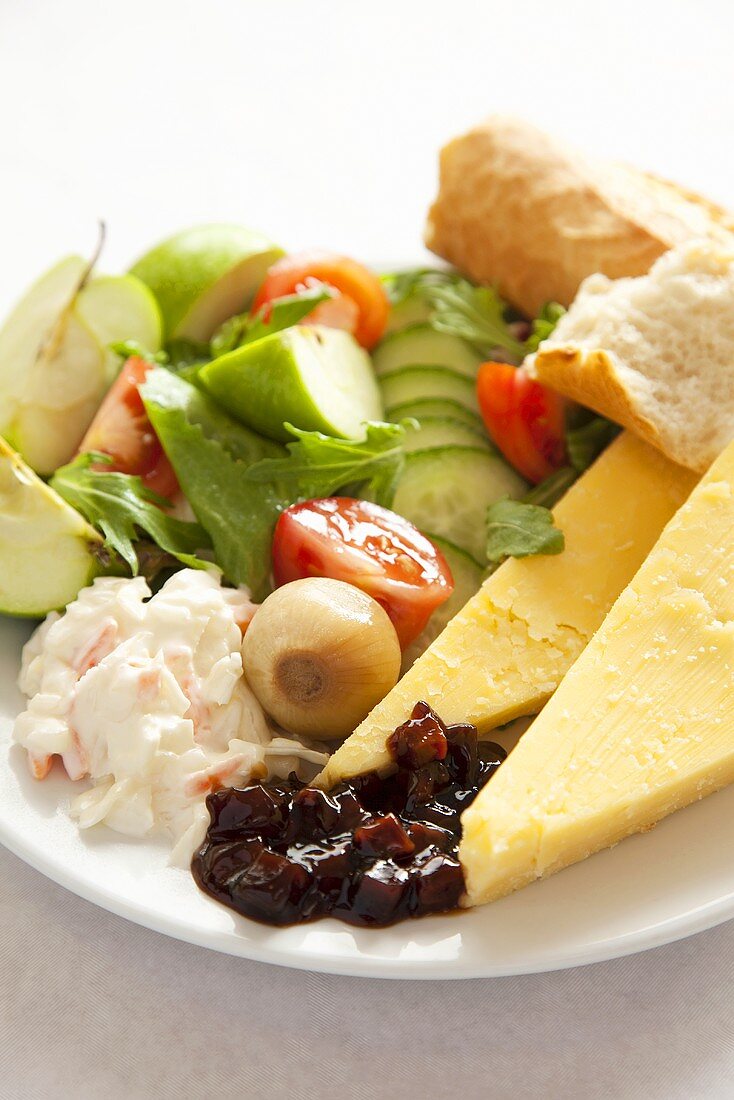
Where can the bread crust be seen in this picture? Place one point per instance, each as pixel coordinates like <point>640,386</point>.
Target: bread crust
<point>531,215</point>
<point>591,379</point>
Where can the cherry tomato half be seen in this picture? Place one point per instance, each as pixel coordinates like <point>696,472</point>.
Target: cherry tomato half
<point>370,547</point>
<point>525,419</point>
<point>360,305</point>
<point>121,429</point>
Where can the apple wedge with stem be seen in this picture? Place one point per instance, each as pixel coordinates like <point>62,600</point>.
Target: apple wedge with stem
<point>55,360</point>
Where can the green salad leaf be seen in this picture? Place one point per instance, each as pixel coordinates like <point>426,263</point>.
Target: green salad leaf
<point>121,506</point>
<point>586,441</point>
<point>277,315</point>
<point>155,564</point>
<point>182,355</point>
<point>127,348</point>
<point>520,528</point>
<point>179,354</point>
<point>543,325</point>
<point>550,491</point>
<point>318,465</point>
<point>517,529</point>
<point>418,281</point>
<point>210,454</point>
<point>173,393</point>
<point>475,313</point>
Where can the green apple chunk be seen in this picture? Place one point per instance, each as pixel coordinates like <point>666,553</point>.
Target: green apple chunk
<point>46,547</point>
<point>204,275</point>
<point>316,378</point>
<point>55,360</point>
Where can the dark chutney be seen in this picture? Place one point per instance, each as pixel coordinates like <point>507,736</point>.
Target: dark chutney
<point>372,851</point>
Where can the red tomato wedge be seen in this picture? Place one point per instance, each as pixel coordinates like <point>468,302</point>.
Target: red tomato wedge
<point>360,305</point>
<point>121,429</point>
<point>367,546</point>
<point>525,419</point>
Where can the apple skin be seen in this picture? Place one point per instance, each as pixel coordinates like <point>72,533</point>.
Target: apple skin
<point>204,275</point>
<point>316,378</point>
<point>56,363</point>
<point>47,549</point>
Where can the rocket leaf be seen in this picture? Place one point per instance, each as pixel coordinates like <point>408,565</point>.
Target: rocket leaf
<point>210,454</point>
<point>517,529</point>
<point>318,465</point>
<point>121,506</point>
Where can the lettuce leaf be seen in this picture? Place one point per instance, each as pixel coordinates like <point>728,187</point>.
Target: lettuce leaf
<point>238,483</point>
<point>211,454</point>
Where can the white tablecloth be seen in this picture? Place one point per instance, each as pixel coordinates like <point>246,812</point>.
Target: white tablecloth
<point>319,122</point>
<point>93,1006</point>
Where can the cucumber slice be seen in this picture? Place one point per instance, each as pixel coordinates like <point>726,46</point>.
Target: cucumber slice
<point>448,490</point>
<point>434,431</point>
<point>468,576</point>
<point>316,378</point>
<point>416,383</point>
<point>411,311</point>
<point>46,547</point>
<point>423,344</point>
<point>439,407</point>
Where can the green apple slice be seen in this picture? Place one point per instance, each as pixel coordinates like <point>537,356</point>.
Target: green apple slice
<point>29,322</point>
<point>204,275</point>
<point>55,360</point>
<point>117,308</point>
<point>316,378</point>
<point>46,547</point>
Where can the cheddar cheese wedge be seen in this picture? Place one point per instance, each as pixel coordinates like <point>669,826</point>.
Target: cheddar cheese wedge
<point>642,724</point>
<point>506,652</point>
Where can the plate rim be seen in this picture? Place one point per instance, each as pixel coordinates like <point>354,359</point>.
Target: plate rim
<point>622,945</point>
<point>698,919</point>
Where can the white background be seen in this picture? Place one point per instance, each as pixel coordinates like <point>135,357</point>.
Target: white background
<point>319,123</point>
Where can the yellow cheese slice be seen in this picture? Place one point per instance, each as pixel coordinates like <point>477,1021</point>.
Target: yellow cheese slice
<point>506,652</point>
<point>643,723</point>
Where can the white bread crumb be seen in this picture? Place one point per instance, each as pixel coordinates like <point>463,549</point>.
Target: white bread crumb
<point>655,352</point>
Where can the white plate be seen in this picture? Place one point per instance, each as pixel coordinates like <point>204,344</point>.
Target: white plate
<point>673,881</point>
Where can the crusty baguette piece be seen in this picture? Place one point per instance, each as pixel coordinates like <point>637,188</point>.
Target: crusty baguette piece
<point>654,353</point>
<point>531,215</point>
